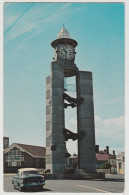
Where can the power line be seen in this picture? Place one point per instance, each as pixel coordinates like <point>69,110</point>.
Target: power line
<point>18,18</point>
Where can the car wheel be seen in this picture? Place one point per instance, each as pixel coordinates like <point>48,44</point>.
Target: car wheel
<point>20,189</point>
<point>41,187</point>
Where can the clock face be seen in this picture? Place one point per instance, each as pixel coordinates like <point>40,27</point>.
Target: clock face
<point>66,52</point>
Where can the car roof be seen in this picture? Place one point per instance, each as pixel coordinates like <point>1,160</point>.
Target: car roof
<point>27,169</point>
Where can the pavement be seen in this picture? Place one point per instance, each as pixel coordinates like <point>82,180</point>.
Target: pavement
<point>112,184</point>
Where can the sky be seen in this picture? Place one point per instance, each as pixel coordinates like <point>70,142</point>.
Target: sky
<point>29,29</point>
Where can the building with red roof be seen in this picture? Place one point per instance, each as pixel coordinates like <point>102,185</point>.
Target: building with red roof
<point>23,156</point>
<point>104,157</point>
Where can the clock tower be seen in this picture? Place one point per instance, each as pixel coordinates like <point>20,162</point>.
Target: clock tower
<point>56,98</point>
<point>64,52</point>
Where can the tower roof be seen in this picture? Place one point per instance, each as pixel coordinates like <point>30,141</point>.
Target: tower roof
<point>63,33</point>
<point>63,38</point>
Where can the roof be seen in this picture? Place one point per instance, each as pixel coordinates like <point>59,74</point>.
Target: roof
<point>73,156</point>
<point>27,169</point>
<point>63,33</point>
<point>103,156</point>
<point>35,151</point>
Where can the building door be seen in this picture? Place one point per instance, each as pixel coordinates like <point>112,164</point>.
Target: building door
<point>120,168</point>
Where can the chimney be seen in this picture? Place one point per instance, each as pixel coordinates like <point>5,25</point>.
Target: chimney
<point>107,147</point>
<point>113,152</point>
<point>5,142</point>
<point>97,148</point>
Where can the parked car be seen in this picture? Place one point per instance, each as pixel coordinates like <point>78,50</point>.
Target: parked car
<point>28,178</point>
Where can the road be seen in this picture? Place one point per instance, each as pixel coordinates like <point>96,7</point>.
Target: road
<point>112,184</point>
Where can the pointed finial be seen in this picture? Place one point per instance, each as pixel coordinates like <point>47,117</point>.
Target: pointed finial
<point>63,33</point>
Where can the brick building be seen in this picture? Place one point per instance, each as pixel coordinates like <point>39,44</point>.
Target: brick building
<point>23,156</point>
<point>105,157</point>
<point>101,158</point>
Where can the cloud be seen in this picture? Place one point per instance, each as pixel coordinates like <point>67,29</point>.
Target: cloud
<point>73,121</point>
<point>72,147</point>
<point>110,127</point>
<point>108,132</point>
<point>115,123</point>
<point>36,20</point>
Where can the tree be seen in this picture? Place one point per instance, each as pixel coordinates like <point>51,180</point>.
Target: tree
<point>105,165</point>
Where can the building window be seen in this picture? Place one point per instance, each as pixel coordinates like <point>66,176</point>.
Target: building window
<point>19,163</point>
<point>37,162</point>
<point>14,163</point>
<point>9,163</point>
<point>14,157</point>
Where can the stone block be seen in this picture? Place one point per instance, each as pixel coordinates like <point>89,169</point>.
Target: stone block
<point>48,109</point>
<point>48,142</point>
<point>57,111</point>
<point>84,75</point>
<point>85,83</point>
<point>48,125</point>
<point>57,126</point>
<point>58,157</point>
<point>58,75</point>
<point>84,90</point>
<point>48,102</point>
<point>88,132</point>
<point>48,166</point>
<point>48,94</point>
<point>57,92</point>
<point>48,117</point>
<point>48,152</point>
<point>55,82</point>
<point>47,80</point>
<point>48,159</point>
<point>58,168</point>
<point>86,106</point>
<point>60,139</point>
<point>88,123</point>
<point>56,66</point>
<point>48,86</point>
<point>86,114</point>
<point>48,133</point>
<point>57,100</point>
<point>57,118</point>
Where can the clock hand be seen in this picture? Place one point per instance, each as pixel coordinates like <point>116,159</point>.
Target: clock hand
<point>65,52</point>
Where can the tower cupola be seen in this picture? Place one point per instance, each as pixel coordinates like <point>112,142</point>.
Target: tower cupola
<point>64,38</point>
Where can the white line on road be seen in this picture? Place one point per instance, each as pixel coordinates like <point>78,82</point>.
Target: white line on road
<point>94,189</point>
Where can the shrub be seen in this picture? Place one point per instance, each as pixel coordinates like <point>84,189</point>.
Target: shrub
<point>106,165</point>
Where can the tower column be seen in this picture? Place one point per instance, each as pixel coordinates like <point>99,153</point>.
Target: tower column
<point>55,151</point>
<point>85,122</point>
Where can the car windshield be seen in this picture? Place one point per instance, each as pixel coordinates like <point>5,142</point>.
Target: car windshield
<point>30,172</point>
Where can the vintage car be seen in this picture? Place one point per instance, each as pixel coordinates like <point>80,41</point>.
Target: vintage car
<point>28,178</point>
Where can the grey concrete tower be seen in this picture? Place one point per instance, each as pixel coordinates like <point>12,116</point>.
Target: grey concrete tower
<point>85,122</point>
<point>63,65</point>
<point>56,134</point>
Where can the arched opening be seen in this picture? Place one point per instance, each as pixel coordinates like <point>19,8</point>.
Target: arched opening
<point>71,119</point>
